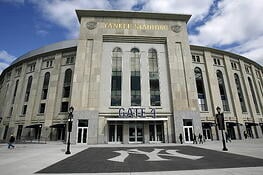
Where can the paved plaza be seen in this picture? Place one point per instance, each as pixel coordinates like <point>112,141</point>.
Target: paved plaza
<point>243,157</point>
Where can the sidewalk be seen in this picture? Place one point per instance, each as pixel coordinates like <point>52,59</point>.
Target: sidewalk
<point>30,158</point>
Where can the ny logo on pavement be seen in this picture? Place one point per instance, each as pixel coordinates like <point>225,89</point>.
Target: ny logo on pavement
<point>152,156</point>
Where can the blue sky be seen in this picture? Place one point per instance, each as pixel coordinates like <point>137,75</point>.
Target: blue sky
<point>234,26</point>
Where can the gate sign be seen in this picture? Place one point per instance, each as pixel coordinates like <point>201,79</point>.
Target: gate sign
<point>136,112</point>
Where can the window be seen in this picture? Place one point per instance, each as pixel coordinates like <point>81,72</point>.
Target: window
<point>196,58</point>
<point>70,60</point>
<point>31,67</point>
<point>28,87</point>
<point>253,94</point>
<point>234,65</point>
<point>64,107</point>
<point>45,86</point>
<point>260,87</point>
<point>42,108</point>
<point>135,78</point>
<point>18,71</point>
<point>247,68</point>
<point>67,83</point>
<point>200,89</point>
<point>8,76</point>
<point>116,77</point>
<point>222,90</point>
<point>24,109</point>
<point>11,111</point>
<point>49,63</point>
<point>14,96</point>
<point>154,78</point>
<point>217,61</point>
<point>240,94</point>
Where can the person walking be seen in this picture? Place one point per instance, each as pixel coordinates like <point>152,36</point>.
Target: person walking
<point>194,139</point>
<point>181,138</point>
<point>11,142</point>
<point>200,138</point>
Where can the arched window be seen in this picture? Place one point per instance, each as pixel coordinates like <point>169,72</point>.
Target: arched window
<point>45,86</point>
<point>240,93</point>
<point>154,78</point>
<point>14,96</point>
<point>135,78</point>
<point>67,83</point>
<point>116,77</point>
<point>260,87</point>
<point>222,90</point>
<point>28,88</point>
<point>253,94</point>
<point>200,89</point>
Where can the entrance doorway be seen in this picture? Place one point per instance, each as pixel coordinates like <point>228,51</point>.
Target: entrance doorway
<point>115,133</point>
<point>188,131</point>
<point>82,134</point>
<point>188,134</point>
<point>207,133</point>
<point>156,132</point>
<point>135,132</point>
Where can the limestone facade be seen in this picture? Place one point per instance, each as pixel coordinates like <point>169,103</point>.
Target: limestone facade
<point>79,73</point>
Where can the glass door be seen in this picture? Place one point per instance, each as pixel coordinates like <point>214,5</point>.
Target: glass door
<point>135,133</point>
<point>207,133</point>
<point>188,134</point>
<point>156,132</point>
<point>115,133</point>
<point>82,132</point>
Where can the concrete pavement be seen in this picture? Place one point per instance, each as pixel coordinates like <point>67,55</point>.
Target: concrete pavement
<point>31,158</point>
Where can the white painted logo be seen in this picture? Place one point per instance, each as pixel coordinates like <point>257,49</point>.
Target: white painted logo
<point>152,156</point>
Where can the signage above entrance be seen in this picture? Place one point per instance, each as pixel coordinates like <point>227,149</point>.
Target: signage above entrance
<point>135,26</point>
<point>137,112</point>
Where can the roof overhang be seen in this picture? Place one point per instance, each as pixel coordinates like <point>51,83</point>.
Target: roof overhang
<point>131,14</point>
<point>34,126</point>
<point>137,119</point>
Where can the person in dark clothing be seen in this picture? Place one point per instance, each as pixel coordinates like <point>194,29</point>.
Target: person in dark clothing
<point>200,138</point>
<point>181,138</point>
<point>194,139</point>
<point>11,142</point>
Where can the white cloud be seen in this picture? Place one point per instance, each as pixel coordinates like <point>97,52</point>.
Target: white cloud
<point>198,9</point>
<point>6,57</point>
<point>252,49</point>
<point>235,23</point>
<point>62,13</point>
<point>3,66</point>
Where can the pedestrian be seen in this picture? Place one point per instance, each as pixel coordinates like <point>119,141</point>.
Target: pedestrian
<point>11,142</point>
<point>194,139</point>
<point>245,134</point>
<point>200,137</point>
<point>227,137</point>
<point>181,138</point>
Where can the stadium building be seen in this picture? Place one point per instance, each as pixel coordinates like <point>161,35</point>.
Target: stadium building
<point>132,77</point>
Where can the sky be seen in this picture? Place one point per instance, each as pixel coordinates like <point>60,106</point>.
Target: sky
<point>231,25</point>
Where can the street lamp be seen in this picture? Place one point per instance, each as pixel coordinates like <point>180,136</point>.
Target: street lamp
<point>221,125</point>
<point>70,118</point>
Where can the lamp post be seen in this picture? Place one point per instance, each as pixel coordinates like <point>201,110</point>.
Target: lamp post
<point>221,125</point>
<point>70,118</point>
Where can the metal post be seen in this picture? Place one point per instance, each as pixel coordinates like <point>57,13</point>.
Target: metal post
<point>221,126</point>
<point>224,142</point>
<point>68,145</point>
<point>70,116</point>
